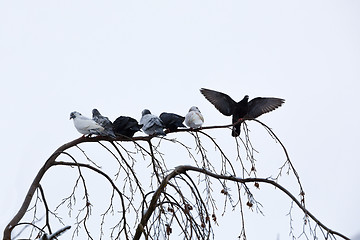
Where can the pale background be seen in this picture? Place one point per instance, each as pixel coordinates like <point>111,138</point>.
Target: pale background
<point>124,56</point>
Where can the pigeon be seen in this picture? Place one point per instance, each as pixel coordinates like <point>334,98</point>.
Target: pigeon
<point>243,109</point>
<point>55,235</point>
<point>152,125</point>
<point>172,121</point>
<point>126,126</point>
<point>104,122</point>
<point>86,125</point>
<point>194,118</point>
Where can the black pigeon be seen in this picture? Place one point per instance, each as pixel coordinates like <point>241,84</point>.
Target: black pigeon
<point>104,122</point>
<point>243,109</point>
<point>172,121</point>
<point>126,126</point>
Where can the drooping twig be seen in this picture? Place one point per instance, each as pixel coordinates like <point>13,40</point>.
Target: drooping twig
<point>160,197</point>
<point>184,168</point>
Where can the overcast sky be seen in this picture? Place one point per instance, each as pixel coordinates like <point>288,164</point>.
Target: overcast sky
<point>124,56</point>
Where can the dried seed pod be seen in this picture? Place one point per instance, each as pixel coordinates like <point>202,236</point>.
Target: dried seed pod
<point>168,229</point>
<point>223,191</point>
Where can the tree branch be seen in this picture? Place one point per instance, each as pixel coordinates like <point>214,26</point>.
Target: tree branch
<point>184,168</point>
<point>154,203</point>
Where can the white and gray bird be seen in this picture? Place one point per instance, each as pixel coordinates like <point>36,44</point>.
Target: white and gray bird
<point>194,118</point>
<point>104,122</point>
<point>85,125</point>
<point>56,234</point>
<point>152,125</point>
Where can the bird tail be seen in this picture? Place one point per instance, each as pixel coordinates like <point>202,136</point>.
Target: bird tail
<point>160,132</point>
<point>111,133</point>
<point>58,233</point>
<point>236,130</point>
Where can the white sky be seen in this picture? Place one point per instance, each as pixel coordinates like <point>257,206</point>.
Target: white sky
<point>122,57</point>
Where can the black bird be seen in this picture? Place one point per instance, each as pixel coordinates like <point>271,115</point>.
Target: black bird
<point>172,121</point>
<point>243,109</point>
<point>104,122</point>
<point>126,126</point>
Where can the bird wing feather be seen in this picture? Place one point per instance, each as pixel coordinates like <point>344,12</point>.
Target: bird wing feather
<point>260,105</point>
<point>199,118</point>
<point>221,101</point>
<point>171,119</point>
<point>87,124</point>
<point>150,120</point>
<point>93,125</point>
<point>195,118</point>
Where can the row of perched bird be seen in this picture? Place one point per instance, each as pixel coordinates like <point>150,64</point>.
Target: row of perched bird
<point>154,125</point>
<point>128,126</point>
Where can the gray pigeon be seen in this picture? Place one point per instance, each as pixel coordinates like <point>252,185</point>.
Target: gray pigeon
<point>152,125</point>
<point>55,235</point>
<point>85,125</point>
<point>104,122</point>
<point>243,109</point>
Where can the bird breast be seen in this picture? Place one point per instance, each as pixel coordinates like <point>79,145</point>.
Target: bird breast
<point>194,119</point>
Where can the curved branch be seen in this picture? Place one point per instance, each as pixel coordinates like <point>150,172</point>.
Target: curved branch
<point>46,208</point>
<point>109,180</point>
<point>184,168</point>
<point>34,186</point>
<point>51,161</point>
<point>286,154</point>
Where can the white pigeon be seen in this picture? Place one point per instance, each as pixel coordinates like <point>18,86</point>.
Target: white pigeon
<point>86,125</point>
<point>194,118</point>
<point>152,125</point>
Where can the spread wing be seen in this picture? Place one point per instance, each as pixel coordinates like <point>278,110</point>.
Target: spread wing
<point>221,101</point>
<point>260,105</point>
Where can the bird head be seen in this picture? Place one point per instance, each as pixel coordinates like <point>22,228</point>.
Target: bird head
<point>95,112</point>
<point>246,98</point>
<point>74,115</point>
<point>194,108</point>
<point>144,112</point>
